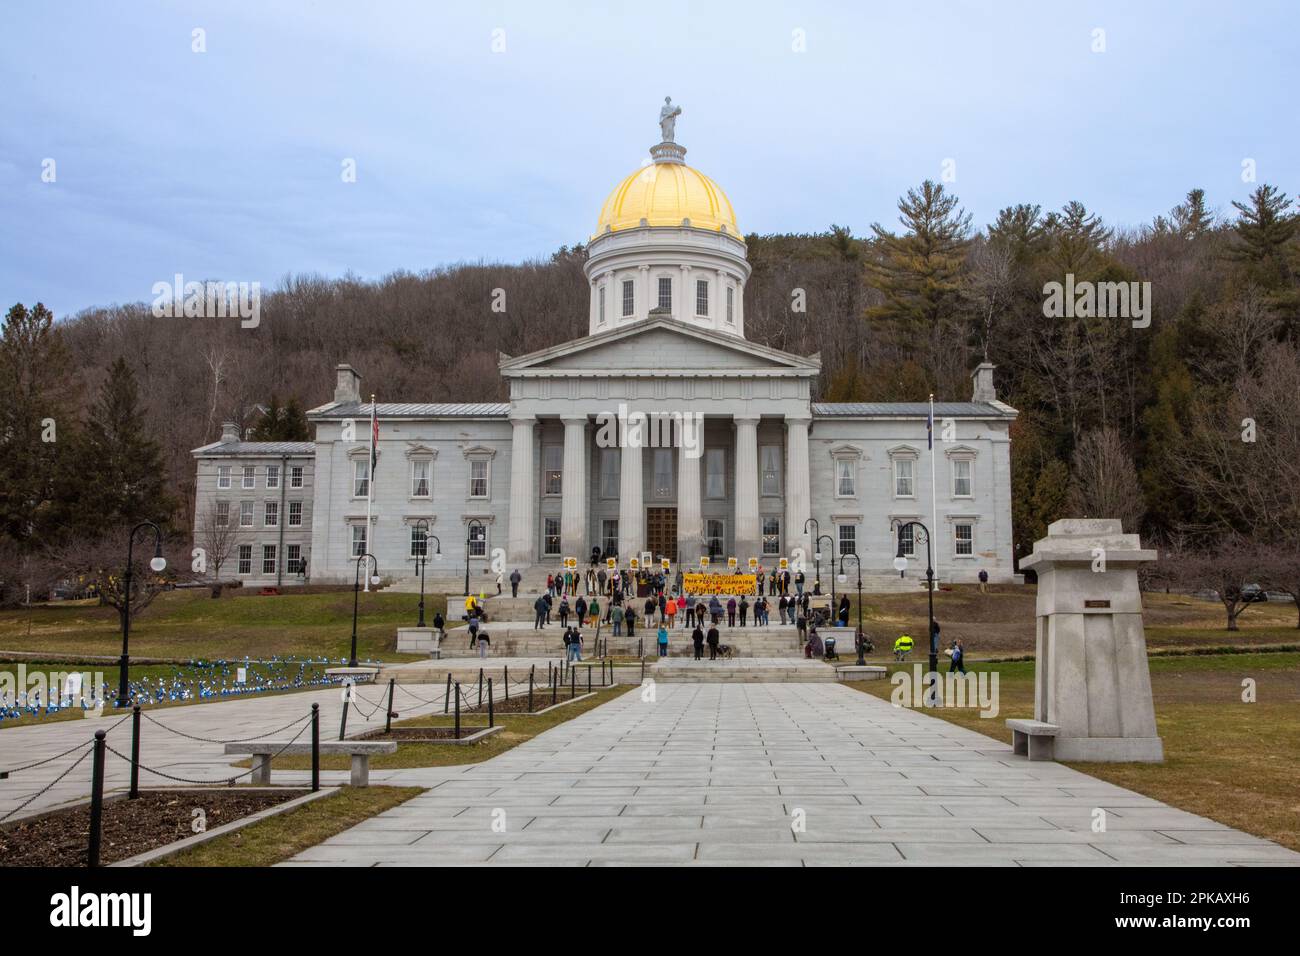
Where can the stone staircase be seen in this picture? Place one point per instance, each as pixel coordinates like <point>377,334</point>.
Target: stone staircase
<point>742,671</point>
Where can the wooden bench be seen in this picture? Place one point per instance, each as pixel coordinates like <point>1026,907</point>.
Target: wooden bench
<point>1033,739</point>
<point>358,750</point>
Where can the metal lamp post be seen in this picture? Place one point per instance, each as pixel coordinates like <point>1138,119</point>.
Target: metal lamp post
<point>157,564</point>
<point>356,595</point>
<point>859,638</point>
<point>818,582</point>
<point>469,538</point>
<point>422,559</point>
<point>817,555</point>
<point>900,565</point>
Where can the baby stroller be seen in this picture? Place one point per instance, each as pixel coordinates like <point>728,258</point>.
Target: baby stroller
<point>830,654</point>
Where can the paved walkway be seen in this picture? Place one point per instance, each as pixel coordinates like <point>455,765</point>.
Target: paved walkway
<point>716,773</point>
<point>179,756</point>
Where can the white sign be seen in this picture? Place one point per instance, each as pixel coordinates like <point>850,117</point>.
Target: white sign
<point>241,675</point>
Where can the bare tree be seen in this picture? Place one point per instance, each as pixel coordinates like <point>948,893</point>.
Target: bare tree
<point>1105,483</point>
<point>100,565</point>
<point>217,538</point>
<point>1280,571</point>
<point>1226,567</point>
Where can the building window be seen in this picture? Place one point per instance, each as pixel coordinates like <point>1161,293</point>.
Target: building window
<point>903,484</point>
<point>478,540</point>
<point>295,476</point>
<point>610,467</point>
<point>907,538</point>
<point>714,537</point>
<point>293,558</point>
<point>419,541</point>
<point>223,476</point>
<point>420,478</point>
<point>223,514</point>
<point>702,297</point>
<point>250,477</point>
<point>268,559</point>
<point>715,479</point>
<point>731,305</point>
<point>848,539</point>
<point>844,478</point>
<point>552,469</point>
<point>666,294</point>
<point>271,514</point>
<point>245,559</point>
<point>273,476</point>
<point>629,297</point>
<point>602,304</point>
<point>663,473</point>
<point>609,536</point>
<point>551,537</point>
<point>478,479</point>
<point>771,536</point>
<point>361,478</point>
<point>245,514</point>
<point>295,514</point>
<point>358,540</point>
<point>961,478</point>
<point>963,540</point>
<point>770,468</point>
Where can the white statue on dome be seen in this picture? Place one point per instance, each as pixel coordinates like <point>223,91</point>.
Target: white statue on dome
<point>668,119</point>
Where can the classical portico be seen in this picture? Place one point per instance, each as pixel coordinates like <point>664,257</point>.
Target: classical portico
<point>679,414</point>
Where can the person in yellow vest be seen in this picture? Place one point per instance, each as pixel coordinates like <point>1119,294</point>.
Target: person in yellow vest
<point>902,647</point>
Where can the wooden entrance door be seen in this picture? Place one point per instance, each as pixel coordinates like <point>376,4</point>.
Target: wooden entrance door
<point>661,533</point>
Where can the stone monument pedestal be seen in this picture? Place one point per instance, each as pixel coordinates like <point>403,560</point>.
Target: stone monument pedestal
<point>417,640</point>
<point>1091,678</point>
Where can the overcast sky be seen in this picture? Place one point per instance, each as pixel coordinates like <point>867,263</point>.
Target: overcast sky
<point>227,164</point>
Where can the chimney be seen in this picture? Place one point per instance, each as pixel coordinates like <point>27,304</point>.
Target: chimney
<point>983,378</point>
<point>229,432</point>
<point>348,385</point>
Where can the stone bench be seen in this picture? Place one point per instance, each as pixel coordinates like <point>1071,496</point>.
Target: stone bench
<point>1033,739</point>
<point>358,750</point>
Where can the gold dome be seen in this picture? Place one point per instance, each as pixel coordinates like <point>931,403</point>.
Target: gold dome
<point>663,194</point>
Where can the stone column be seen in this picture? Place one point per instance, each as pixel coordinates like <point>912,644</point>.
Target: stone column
<point>747,522</point>
<point>690,521</point>
<point>523,493</point>
<point>631,512</point>
<point>798,493</point>
<point>573,487</point>
<point>642,308</point>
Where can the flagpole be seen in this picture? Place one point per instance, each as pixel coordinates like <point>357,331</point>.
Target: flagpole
<point>934,498</point>
<point>370,491</point>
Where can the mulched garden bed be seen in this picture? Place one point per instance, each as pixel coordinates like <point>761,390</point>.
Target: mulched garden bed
<point>157,818</point>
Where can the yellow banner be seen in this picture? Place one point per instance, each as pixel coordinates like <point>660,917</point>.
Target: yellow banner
<point>696,583</point>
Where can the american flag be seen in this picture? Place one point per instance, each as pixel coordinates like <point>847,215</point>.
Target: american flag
<point>374,438</point>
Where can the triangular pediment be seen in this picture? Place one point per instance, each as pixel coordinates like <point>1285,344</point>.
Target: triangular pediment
<point>658,345</point>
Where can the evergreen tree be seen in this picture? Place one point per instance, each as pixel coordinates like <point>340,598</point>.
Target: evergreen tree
<point>122,472</point>
<point>1190,219</point>
<point>37,426</point>
<point>1263,234</point>
<point>920,271</point>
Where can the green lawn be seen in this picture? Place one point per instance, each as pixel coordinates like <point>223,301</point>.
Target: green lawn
<point>189,624</point>
<point>1224,759</point>
<point>280,837</point>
